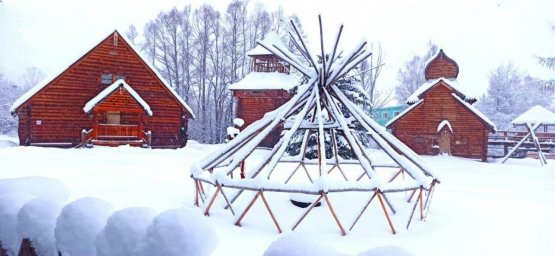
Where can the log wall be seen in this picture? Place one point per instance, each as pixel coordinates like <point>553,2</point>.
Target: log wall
<point>55,114</point>
<point>252,105</point>
<point>418,128</point>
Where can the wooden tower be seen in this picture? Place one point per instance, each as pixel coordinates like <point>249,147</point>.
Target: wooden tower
<point>265,89</point>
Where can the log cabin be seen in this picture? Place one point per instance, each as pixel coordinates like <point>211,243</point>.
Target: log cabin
<point>109,96</point>
<point>265,89</point>
<point>440,118</point>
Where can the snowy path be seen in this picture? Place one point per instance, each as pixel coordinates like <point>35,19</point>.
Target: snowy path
<point>479,209</point>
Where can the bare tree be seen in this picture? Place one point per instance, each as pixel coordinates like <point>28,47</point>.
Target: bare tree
<point>32,76</point>
<point>132,33</point>
<point>370,71</point>
<point>548,62</point>
<point>411,75</point>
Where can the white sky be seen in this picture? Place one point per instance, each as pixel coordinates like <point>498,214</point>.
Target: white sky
<point>478,34</point>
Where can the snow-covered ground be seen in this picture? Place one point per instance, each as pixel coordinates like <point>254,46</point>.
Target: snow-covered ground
<point>478,209</point>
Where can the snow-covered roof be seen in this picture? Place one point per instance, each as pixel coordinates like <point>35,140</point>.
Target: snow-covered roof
<point>117,84</point>
<point>443,124</point>
<point>416,95</point>
<point>266,81</point>
<point>476,112</point>
<point>271,38</point>
<point>410,108</point>
<point>25,97</point>
<point>536,114</point>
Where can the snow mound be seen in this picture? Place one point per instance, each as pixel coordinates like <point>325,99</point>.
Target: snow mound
<point>294,244</point>
<point>36,186</point>
<point>178,232</point>
<point>10,203</point>
<point>78,225</point>
<point>36,220</point>
<point>123,231</point>
<point>238,122</point>
<point>388,250</point>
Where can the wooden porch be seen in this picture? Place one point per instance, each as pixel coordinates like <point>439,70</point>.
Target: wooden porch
<point>126,129</point>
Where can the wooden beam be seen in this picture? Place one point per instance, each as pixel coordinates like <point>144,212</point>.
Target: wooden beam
<point>306,212</point>
<point>363,210</point>
<point>333,214</point>
<point>385,212</point>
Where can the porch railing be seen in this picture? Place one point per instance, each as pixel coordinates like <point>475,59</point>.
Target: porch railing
<point>115,131</point>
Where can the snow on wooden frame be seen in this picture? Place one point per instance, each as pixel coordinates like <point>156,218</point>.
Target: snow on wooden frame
<point>319,108</point>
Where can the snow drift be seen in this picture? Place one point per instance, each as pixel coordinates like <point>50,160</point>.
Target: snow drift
<point>78,225</point>
<point>178,232</point>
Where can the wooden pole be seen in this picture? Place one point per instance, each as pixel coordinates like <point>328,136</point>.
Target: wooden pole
<point>334,214</point>
<point>519,143</point>
<point>270,211</point>
<point>389,204</point>
<point>421,205</point>
<point>238,222</point>
<point>227,201</point>
<point>306,212</point>
<point>363,210</point>
<point>385,212</point>
<point>541,157</point>
<point>293,173</point>
<point>206,212</point>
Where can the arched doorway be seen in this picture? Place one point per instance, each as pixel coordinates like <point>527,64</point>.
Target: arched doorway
<point>444,141</point>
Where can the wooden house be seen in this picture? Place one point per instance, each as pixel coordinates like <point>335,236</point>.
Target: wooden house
<point>441,118</point>
<point>264,89</point>
<point>109,96</point>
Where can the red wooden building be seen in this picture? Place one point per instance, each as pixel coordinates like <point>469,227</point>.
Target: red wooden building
<point>265,89</point>
<point>109,96</point>
<point>441,118</point>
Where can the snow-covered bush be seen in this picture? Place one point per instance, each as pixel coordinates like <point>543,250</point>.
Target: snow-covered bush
<point>36,186</point>
<point>78,225</point>
<point>123,231</point>
<point>178,232</point>
<point>36,220</point>
<point>388,250</point>
<point>294,244</point>
<point>10,203</point>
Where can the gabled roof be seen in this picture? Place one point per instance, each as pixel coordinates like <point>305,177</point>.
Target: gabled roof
<point>33,91</point>
<point>266,81</point>
<point>477,112</point>
<point>453,84</point>
<point>106,92</point>
<point>536,114</point>
<point>271,38</point>
<point>484,119</point>
<point>407,110</point>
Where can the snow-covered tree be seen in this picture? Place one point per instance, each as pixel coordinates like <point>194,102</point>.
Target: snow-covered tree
<point>548,62</point>
<point>9,93</point>
<point>511,93</point>
<point>411,75</point>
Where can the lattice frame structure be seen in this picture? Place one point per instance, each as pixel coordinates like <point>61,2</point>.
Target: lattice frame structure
<point>318,108</point>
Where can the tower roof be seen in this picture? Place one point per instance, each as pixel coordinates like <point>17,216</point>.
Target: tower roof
<point>441,66</point>
<point>271,38</point>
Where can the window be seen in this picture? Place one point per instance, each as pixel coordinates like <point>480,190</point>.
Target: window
<point>113,117</point>
<point>106,79</point>
<point>118,77</point>
<point>384,115</point>
<point>396,113</point>
<point>419,141</point>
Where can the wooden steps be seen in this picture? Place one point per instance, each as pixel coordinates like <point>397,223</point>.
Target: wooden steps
<point>134,142</point>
